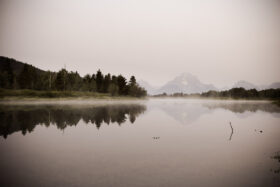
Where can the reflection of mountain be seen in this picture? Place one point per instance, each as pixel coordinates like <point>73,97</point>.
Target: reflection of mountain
<point>188,111</point>
<point>185,113</point>
<point>25,118</point>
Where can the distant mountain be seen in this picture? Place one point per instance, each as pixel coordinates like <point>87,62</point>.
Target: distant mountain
<point>150,89</point>
<point>274,85</point>
<point>224,88</point>
<point>186,83</point>
<point>245,84</point>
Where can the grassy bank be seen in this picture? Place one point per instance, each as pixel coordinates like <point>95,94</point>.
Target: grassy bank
<point>21,94</point>
<point>277,102</point>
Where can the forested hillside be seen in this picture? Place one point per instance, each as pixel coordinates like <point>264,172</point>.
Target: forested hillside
<point>17,75</point>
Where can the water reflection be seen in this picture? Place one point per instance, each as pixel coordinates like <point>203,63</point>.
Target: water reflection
<point>25,118</point>
<point>183,112</point>
<point>189,111</point>
<point>219,149</point>
<point>242,107</point>
<point>276,157</point>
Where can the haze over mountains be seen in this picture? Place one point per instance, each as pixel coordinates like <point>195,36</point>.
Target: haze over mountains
<point>184,83</point>
<point>247,85</point>
<point>188,83</point>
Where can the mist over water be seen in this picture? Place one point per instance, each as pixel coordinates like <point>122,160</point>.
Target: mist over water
<point>156,142</point>
<point>104,52</point>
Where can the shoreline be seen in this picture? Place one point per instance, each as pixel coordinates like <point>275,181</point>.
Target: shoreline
<point>15,100</point>
<point>84,97</point>
<point>70,101</point>
<point>39,95</point>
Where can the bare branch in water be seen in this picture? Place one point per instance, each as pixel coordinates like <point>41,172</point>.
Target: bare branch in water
<point>231,131</point>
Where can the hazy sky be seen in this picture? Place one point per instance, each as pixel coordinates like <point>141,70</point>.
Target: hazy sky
<point>219,41</point>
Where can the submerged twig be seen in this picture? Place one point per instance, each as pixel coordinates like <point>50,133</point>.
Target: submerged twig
<point>231,131</point>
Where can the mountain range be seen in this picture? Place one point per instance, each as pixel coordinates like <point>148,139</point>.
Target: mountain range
<point>188,83</point>
<point>184,83</point>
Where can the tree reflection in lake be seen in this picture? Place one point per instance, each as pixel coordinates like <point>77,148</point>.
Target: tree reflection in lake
<point>276,157</point>
<point>179,142</point>
<point>243,106</point>
<point>188,111</point>
<point>24,118</point>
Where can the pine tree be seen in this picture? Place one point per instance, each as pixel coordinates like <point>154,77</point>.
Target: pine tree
<point>61,80</point>
<point>122,85</point>
<point>99,81</point>
<point>132,81</point>
<point>25,78</point>
<point>106,82</point>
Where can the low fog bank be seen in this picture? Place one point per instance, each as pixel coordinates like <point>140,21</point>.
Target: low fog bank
<point>72,101</point>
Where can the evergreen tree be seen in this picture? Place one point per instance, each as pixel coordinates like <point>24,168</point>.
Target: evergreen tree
<point>122,85</point>
<point>25,78</point>
<point>30,77</point>
<point>113,89</point>
<point>86,82</point>
<point>2,80</point>
<point>93,87</point>
<point>61,80</point>
<point>132,81</point>
<point>93,77</point>
<point>99,80</point>
<point>10,76</point>
<point>106,82</point>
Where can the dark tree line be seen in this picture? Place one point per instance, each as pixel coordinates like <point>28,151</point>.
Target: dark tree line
<point>32,78</point>
<point>243,93</point>
<point>236,93</point>
<point>7,77</point>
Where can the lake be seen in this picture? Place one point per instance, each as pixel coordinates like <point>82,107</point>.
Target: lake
<point>154,142</point>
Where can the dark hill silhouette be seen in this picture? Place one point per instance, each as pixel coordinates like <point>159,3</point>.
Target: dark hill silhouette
<point>16,75</point>
<point>16,66</point>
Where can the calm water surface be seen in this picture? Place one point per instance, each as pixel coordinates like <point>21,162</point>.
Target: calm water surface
<point>156,142</point>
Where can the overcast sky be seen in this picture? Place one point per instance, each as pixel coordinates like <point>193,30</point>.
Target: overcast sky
<point>219,41</point>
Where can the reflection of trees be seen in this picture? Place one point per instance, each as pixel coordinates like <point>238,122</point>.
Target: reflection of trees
<point>187,112</point>
<point>25,118</point>
<point>277,158</point>
<point>239,107</point>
